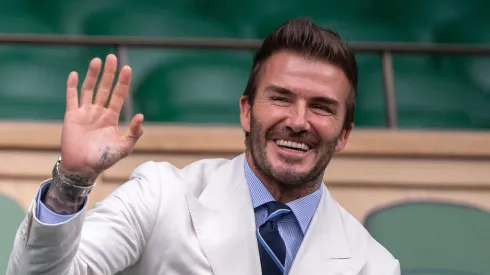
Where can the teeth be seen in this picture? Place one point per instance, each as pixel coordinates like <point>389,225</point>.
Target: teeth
<point>292,144</point>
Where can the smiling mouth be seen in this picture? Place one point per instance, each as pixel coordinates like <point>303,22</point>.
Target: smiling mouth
<point>292,145</point>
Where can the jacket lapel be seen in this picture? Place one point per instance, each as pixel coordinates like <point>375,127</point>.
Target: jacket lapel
<point>325,248</point>
<point>224,221</point>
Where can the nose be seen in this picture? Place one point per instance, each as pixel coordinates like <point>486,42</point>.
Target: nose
<point>298,120</point>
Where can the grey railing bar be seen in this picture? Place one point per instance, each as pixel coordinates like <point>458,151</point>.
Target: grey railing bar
<point>65,40</point>
<point>389,89</point>
<point>421,48</point>
<point>233,44</point>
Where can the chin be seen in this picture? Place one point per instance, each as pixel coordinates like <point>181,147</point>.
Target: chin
<point>291,177</point>
<point>290,168</point>
<point>291,173</point>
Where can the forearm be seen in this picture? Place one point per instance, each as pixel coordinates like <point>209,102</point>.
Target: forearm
<point>61,203</point>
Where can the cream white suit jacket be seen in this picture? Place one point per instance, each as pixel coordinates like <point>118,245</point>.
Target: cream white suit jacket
<point>194,220</point>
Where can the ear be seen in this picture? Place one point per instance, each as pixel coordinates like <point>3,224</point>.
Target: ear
<point>245,112</point>
<point>344,136</point>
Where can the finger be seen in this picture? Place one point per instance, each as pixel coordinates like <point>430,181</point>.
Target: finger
<point>71,92</point>
<point>87,90</point>
<point>134,132</point>
<point>105,85</point>
<point>120,90</point>
<point>135,129</point>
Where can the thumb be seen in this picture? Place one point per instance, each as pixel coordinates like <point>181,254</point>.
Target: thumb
<point>135,130</point>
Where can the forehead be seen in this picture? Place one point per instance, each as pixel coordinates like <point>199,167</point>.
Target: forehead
<point>303,76</point>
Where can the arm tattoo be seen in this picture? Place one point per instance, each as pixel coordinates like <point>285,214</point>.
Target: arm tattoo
<point>61,203</point>
<point>65,204</point>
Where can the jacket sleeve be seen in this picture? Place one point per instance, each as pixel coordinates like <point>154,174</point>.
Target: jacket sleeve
<point>44,214</point>
<point>104,240</point>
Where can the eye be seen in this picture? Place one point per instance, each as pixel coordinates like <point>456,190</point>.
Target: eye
<point>280,100</point>
<point>321,109</point>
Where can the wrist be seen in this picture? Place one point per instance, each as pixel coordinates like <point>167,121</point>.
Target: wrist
<point>74,185</point>
<point>77,178</point>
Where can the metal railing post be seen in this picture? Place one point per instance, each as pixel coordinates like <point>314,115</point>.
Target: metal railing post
<point>389,89</point>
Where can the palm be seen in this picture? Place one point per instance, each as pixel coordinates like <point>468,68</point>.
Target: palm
<point>91,141</point>
<point>91,129</point>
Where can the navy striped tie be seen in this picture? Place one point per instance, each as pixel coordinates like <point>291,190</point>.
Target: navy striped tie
<point>272,249</point>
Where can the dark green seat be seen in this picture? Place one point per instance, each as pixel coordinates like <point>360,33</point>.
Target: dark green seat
<point>200,88</point>
<point>426,97</point>
<point>29,16</point>
<point>436,271</point>
<point>254,18</point>
<point>147,21</point>
<point>33,84</point>
<point>12,215</point>
<point>33,77</point>
<point>258,18</point>
<point>74,13</point>
<point>350,21</point>
<point>370,105</point>
<point>67,17</point>
<point>358,30</point>
<point>470,30</point>
<point>434,235</point>
<point>15,24</point>
<point>420,18</point>
<point>15,21</point>
<point>143,21</point>
<point>449,92</point>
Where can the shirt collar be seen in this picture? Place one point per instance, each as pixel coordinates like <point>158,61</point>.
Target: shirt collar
<point>303,208</point>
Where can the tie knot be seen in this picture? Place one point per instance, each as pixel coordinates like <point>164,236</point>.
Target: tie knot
<point>277,210</point>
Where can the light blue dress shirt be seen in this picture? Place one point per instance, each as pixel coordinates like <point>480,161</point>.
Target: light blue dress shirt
<point>292,228</point>
<point>44,214</point>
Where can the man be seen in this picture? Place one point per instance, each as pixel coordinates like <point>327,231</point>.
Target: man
<point>266,211</point>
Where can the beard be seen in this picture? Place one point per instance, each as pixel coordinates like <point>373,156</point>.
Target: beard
<point>256,146</point>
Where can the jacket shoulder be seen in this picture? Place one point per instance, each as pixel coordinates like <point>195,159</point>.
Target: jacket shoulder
<point>378,260</point>
<point>193,176</point>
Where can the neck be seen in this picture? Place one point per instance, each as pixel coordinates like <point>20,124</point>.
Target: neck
<point>281,192</point>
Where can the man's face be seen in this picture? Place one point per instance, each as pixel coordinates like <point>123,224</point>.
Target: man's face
<point>296,121</point>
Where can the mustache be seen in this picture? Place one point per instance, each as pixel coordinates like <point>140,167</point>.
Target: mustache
<point>287,133</point>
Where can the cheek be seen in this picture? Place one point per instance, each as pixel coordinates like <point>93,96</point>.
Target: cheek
<point>327,128</point>
<point>273,110</point>
<point>270,115</point>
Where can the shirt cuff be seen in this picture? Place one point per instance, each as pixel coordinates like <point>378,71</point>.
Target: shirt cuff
<point>45,215</point>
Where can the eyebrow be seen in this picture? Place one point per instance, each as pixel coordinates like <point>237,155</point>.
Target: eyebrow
<point>279,90</point>
<point>319,99</point>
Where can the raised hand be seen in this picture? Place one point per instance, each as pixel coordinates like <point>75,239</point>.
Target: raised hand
<point>90,141</point>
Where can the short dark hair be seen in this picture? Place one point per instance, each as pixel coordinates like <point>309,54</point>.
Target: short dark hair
<point>302,37</point>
